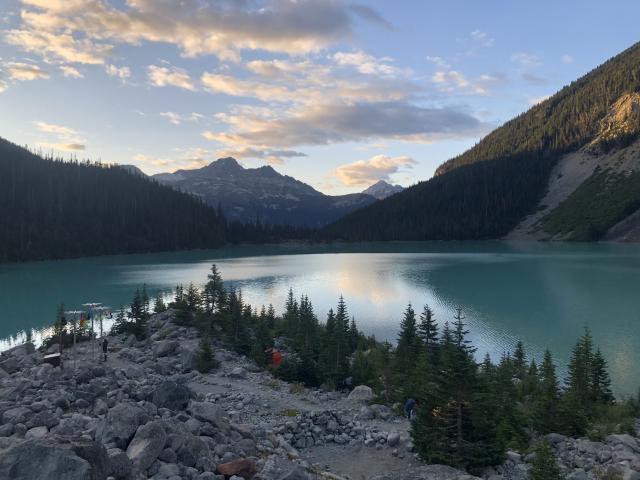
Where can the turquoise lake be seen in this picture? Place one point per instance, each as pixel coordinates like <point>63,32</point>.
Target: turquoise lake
<point>543,294</point>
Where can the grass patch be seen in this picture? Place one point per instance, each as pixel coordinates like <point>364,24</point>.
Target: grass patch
<point>598,204</point>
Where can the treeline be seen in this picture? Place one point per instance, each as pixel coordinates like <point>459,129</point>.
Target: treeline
<point>50,208</point>
<point>487,190</point>
<point>480,201</point>
<point>468,412</point>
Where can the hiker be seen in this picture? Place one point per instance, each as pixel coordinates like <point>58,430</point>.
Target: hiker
<point>105,345</point>
<point>409,407</point>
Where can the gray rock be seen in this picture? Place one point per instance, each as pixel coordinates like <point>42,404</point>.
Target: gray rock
<point>146,445</point>
<point>171,395</point>
<point>10,365</point>
<point>209,412</point>
<point>119,463</point>
<point>165,347</point>
<point>16,415</point>
<point>578,474</point>
<point>239,373</point>
<point>623,439</point>
<point>298,473</point>
<point>121,423</point>
<point>36,432</point>
<point>429,472</point>
<point>361,393</point>
<point>35,459</point>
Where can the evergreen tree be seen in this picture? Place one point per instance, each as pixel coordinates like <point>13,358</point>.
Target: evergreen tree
<point>205,360</point>
<point>547,401</point>
<point>519,361</point>
<point>545,466</point>
<point>213,290</point>
<point>600,381</point>
<point>428,328</point>
<point>159,305</point>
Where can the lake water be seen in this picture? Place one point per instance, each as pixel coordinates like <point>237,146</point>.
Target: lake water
<point>543,294</point>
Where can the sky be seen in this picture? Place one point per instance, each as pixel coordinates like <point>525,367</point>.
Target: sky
<point>338,94</point>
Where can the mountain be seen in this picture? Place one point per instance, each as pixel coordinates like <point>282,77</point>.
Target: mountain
<point>382,190</point>
<point>56,209</point>
<point>568,168</point>
<point>247,194</point>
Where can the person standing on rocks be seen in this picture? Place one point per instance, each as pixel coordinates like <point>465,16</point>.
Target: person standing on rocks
<point>409,408</point>
<point>105,346</point>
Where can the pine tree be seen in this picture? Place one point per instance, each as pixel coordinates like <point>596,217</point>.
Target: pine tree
<point>213,290</point>
<point>519,361</point>
<point>159,305</point>
<point>545,465</point>
<point>547,401</point>
<point>428,328</point>
<point>600,381</point>
<point>205,361</point>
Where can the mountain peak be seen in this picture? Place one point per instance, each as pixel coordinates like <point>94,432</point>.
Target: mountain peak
<point>382,189</point>
<point>226,163</point>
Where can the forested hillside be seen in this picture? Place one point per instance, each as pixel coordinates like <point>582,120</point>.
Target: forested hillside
<point>55,209</point>
<point>488,190</point>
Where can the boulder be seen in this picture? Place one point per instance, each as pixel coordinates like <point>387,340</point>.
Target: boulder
<point>146,445</point>
<point>36,432</point>
<point>9,365</point>
<point>361,393</point>
<point>121,423</point>
<point>36,459</point>
<point>624,439</point>
<point>119,463</point>
<point>16,415</point>
<point>171,395</point>
<point>298,473</point>
<point>239,373</point>
<point>165,347</point>
<point>209,412</point>
<point>241,467</point>
<point>429,472</point>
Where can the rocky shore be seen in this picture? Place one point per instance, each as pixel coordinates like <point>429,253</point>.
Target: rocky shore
<point>147,413</point>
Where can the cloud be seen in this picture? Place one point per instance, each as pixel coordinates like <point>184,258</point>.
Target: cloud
<point>274,157</point>
<point>177,119</point>
<point>67,147</point>
<point>169,76</point>
<point>347,122</point>
<point>58,45</point>
<point>368,64</point>
<point>122,73</point>
<point>86,31</point>
<point>56,129</point>
<point>526,59</point>
<point>71,72</point>
<point>60,137</point>
<point>567,59</point>
<point>454,81</point>
<point>21,72</point>
<point>367,172</point>
<point>482,38</point>
<point>229,85</point>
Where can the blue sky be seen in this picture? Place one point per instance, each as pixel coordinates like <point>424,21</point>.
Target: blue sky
<point>337,94</point>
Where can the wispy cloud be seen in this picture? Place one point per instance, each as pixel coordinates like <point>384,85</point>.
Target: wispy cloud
<point>567,59</point>
<point>59,137</point>
<point>169,76</point>
<point>526,59</point>
<point>177,118</point>
<point>364,173</point>
<point>121,73</point>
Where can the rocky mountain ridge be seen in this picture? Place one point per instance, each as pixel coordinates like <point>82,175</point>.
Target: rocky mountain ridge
<point>249,194</point>
<point>146,413</point>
